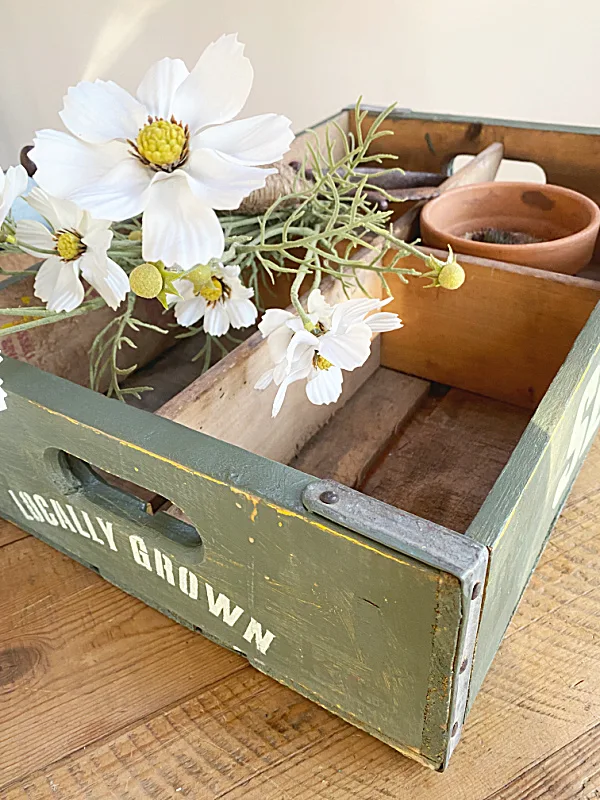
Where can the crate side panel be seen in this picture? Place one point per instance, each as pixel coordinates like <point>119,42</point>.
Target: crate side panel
<point>343,619</point>
<point>570,156</point>
<point>519,513</point>
<point>504,334</point>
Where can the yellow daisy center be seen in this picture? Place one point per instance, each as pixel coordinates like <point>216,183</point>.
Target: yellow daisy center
<point>69,245</point>
<point>212,290</point>
<point>162,142</point>
<point>321,363</point>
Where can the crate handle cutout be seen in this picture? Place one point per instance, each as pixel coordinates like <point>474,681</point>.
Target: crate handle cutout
<point>73,475</point>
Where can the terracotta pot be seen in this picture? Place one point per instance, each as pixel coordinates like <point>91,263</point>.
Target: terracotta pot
<point>565,220</point>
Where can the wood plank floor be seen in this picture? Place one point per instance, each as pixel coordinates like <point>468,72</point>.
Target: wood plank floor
<point>102,697</point>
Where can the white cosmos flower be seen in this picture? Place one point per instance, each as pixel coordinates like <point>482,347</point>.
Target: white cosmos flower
<point>78,245</point>
<point>340,340</point>
<point>12,185</point>
<point>172,152</point>
<point>222,300</point>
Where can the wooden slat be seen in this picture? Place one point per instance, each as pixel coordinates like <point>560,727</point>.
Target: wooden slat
<point>80,659</point>
<point>10,533</point>
<point>249,738</point>
<point>503,334</point>
<point>63,347</point>
<point>448,459</point>
<point>426,142</point>
<point>355,437</point>
<point>223,403</point>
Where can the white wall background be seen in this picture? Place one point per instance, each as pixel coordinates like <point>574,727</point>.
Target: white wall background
<point>521,59</point>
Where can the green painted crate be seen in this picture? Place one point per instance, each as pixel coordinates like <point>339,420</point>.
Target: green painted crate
<point>386,619</point>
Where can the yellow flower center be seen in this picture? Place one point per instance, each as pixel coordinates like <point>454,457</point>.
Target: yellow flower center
<point>162,142</point>
<point>452,276</point>
<point>146,281</point>
<point>69,245</point>
<point>321,363</point>
<point>212,290</point>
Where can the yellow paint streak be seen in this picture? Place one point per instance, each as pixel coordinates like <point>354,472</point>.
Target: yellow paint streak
<point>429,571</point>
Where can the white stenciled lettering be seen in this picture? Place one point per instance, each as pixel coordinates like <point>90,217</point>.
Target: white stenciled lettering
<point>31,506</point>
<point>107,530</point>
<point>140,552</point>
<point>254,631</point>
<point>43,507</point>
<point>17,502</point>
<point>222,606</point>
<point>76,522</point>
<point>64,521</point>
<point>164,567</point>
<point>188,583</point>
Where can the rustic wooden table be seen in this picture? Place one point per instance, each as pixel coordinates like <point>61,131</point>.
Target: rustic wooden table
<point>102,697</point>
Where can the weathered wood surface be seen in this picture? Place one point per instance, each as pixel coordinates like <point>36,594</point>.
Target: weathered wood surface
<point>63,347</point>
<point>208,732</point>
<point>347,447</point>
<point>446,462</point>
<point>246,575</point>
<point>570,156</point>
<point>212,404</point>
<point>504,334</point>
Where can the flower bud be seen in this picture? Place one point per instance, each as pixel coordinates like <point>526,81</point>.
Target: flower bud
<point>452,276</point>
<point>146,281</point>
<point>135,236</point>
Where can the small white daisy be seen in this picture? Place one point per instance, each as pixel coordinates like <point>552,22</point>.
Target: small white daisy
<point>222,301</point>
<point>76,245</point>
<point>340,339</point>
<point>173,152</point>
<point>12,185</point>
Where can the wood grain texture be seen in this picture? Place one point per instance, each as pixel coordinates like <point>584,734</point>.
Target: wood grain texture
<point>10,533</point>
<point>503,334</point>
<point>345,449</point>
<point>212,403</point>
<point>444,464</point>
<point>63,347</point>
<point>533,730</point>
<point>80,659</point>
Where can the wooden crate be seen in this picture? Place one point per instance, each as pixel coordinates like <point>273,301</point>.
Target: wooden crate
<point>385,605</point>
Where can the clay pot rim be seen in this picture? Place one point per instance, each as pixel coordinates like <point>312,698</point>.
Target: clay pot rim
<point>456,241</point>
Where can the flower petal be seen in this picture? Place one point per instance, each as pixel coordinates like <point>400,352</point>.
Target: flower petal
<point>278,342</point>
<point>12,185</point>
<point>347,350</point>
<point>59,213</point>
<point>216,319</point>
<point>159,84</point>
<point>318,305</point>
<point>106,276</point>
<point>256,140</point>
<point>296,375</point>
<point>352,311</point>
<point>221,182</point>
<point>301,348</point>
<point>266,379</point>
<point>384,321</point>
<point>57,284</point>
<point>272,319</point>
<point>190,310</point>
<point>178,228</point>
<point>104,179</point>
<point>98,236</point>
<point>101,111</point>
<point>324,386</point>
<point>242,313</point>
<point>32,234</point>
<point>217,88</point>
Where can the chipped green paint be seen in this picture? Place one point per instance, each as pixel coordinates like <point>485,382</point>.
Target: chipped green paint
<point>345,619</point>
